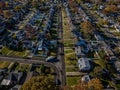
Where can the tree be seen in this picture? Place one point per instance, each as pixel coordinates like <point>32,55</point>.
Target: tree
<point>110,9</point>
<point>117,50</point>
<point>7,13</point>
<point>78,1</point>
<point>42,68</point>
<point>81,86</point>
<point>6,4</point>
<point>17,8</point>
<point>97,72</point>
<point>95,84</point>
<point>40,83</point>
<point>87,29</point>
<point>67,88</point>
<point>103,22</point>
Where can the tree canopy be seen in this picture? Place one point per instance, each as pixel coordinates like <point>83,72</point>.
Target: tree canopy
<point>39,83</point>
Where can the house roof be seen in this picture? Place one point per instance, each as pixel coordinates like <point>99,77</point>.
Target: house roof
<point>81,43</point>
<point>84,63</point>
<point>14,76</point>
<point>5,82</point>
<point>85,78</point>
<point>16,87</point>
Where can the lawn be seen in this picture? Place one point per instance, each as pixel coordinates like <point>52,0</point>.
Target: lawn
<point>72,69</point>
<point>66,27</point>
<point>68,38</point>
<point>72,80</point>
<point>4,64</point>
<point>70,59</point>
<point>69,51</point>
<point>116,33</point>
<point>5,50</point>
<point>68,43</point>
<point>22,67</point>
<point>19,54</point>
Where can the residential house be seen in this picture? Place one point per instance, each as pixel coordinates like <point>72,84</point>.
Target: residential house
<point>81,48</point>
<point>85,78</point>
<point>42,48</point>
<point>2,73</point>
<point>117,66</point>
<point>28,44</point>
<point>30,30</point>
<point>98,37</point>
<point>16,87</point>
<point>84,64</point>
<point>117,27</point>
<point>12,78</point>
<point>110,54</point>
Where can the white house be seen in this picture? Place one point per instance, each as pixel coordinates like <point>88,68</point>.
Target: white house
<point>84,64</point>
<point>117,27</point>
<point>117,66</point>
<point>85,78</point>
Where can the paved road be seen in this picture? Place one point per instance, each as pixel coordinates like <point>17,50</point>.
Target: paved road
<point>60,53</point>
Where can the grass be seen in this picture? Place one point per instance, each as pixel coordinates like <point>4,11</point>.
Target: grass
<point>4,64</point>
<point>16,53</point>
<point>66,27</point>
<point>72,69</point>
<point>102,63</point>
<point>68,38</point>
<point>22,67</point>
<point>118,86</point>
<point>72,80</point>
<point>69,51</point>
<point>102,54</point>
<point>38,69</point>
<point>116,33</point>
<point>70,59</point>
<point>68,43</point>
<point>5,50</point>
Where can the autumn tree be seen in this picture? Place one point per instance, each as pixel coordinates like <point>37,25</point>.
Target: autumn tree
<point>6,4</point>
<point>7,13</point>
<point>95,84</point>
<point>17,8</point>
<point>117,50</point>
<point>87,29</point>
<point>67,88</point>
<point>39,83</point>
<point>110,9</point>
<point>81,86</point>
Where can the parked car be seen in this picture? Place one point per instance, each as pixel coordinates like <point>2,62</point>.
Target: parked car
<point>51,59</point>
